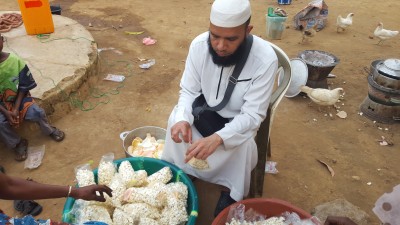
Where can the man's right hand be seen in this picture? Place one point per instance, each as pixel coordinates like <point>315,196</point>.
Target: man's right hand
<point>338,220</point>
<point>12,117</point>
<point>183,128</point>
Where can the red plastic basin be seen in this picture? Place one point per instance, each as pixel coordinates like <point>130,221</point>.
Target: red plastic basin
<point>267,206</point>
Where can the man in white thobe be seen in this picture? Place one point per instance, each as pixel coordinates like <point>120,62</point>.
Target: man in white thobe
<point>230,153</point>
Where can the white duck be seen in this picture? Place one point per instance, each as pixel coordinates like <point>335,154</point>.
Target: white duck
<point>384,34</point>
<point>343,23</point>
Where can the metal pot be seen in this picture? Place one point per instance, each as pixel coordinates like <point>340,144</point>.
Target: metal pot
<point>382,94</point>
<point>382,78</point>
<point>128,136</point>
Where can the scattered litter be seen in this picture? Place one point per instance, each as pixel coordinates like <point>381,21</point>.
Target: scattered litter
<point>380,128</point>
<point>356,178</point>
<point>327,166</point>
<point>115,28</point>
<point>149,64</point>
<point>110,48</point>
<point>114,77</point>
<point>149,41</point>
<point>134,32</point>
<point>331,76</point>
<point>369,183</point>
<point>35,156</point>
<point>344,82</point>
<point>90,25</point>
<point>120,26</point>
<point>379,169</point>
<point>141,59</point>
<point>270,167</point>
<point>148,109</point>
<point>342,114</point>
<point>325,114</point>
<point>374,121</point>
<point>315,120</point>
<point>385,142</point>
<point>330,115</point>
<point>386,129</point>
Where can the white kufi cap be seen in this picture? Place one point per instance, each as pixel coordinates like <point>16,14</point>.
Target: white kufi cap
<point>230,13</point>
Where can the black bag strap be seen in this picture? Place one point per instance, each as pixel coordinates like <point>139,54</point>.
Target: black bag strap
<point>234,77</point>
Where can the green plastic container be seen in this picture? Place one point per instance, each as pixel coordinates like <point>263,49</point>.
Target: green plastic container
<point>275,27</point>
<point>151,166</point>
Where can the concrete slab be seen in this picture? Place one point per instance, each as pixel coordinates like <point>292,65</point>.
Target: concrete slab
<point>60,62</point>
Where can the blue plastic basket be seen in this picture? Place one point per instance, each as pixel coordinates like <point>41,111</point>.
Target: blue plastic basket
<point>151,166</point>
<point>284,2</point>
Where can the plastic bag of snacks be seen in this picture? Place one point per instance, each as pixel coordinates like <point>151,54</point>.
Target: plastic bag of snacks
<point>84,175</point>
<point>106,169</point>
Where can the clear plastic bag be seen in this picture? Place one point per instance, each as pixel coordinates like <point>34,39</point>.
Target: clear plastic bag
<point>107,169</point>
<point>35,157</point>
<point>84,175</point>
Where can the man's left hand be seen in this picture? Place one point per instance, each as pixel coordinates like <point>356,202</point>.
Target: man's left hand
<point>203,148</point>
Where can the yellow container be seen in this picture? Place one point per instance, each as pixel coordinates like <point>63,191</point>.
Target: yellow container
<point>37,16</point>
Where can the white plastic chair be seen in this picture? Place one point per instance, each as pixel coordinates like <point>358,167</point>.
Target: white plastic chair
<point>263,135</point>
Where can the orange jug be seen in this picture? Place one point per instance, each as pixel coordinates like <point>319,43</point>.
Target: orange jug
<point>37,16</point>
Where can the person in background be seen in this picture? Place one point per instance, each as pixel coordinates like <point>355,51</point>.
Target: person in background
<point>16,104</point>
<point>229,153</point>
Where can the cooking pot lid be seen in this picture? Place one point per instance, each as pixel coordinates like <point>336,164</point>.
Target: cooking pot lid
<point>299,77</point>
<point>390,67</point>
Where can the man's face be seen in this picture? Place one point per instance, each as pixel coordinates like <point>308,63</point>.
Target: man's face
<point>227,43</point>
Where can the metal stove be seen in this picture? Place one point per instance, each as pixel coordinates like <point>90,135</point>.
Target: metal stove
<point>383,101</point>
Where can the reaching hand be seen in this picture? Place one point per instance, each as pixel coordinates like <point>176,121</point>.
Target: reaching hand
<point>91,193</point>
<point>338,220</point>
<point>203,148</point>
<point>181,127</point>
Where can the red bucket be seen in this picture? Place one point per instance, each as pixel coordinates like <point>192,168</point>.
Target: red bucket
<point>267,206</point>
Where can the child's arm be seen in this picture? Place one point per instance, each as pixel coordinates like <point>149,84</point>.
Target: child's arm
<point>11,119</point>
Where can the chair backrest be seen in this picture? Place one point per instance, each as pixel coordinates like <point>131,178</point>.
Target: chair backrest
<point>262,139</point>
<point>277,95</point>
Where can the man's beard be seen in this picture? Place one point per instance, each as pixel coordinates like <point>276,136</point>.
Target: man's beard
<point>229,60</point>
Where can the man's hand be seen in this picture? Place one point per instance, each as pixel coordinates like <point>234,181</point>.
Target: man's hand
<point>338,220</point>
<point>12,117</point>
<point>181,127</point>
<point>204,147</point>
<point>89,193</point>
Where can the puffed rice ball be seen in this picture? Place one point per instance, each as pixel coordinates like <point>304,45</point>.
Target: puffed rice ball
<point>198,164</point>
<point>95,213</point>
<point>152,196</point>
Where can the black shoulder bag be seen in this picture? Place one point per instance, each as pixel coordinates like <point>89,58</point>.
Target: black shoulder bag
<point>206,119</point>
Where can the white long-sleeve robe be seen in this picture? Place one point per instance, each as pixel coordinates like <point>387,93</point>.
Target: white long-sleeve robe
<point>232,162</point>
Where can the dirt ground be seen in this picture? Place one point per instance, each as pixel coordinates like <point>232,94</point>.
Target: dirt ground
<point>300,135</point>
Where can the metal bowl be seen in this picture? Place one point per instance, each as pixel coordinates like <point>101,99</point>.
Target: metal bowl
<point>128,136</point>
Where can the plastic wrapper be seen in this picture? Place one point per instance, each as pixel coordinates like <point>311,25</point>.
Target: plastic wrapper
<point>118,188</point>
<point>164,176</point>
<point>152,196</point>
<point>106,169</point>
<point>238,215</point>
<point>387,207</point>
<point>84,175</point>
<point>139,179</point>
<point>35,156</point>
<point>139,210</point>
<point>126,171</point>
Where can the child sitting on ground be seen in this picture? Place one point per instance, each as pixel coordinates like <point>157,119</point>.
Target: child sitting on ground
<point>16,104</point>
